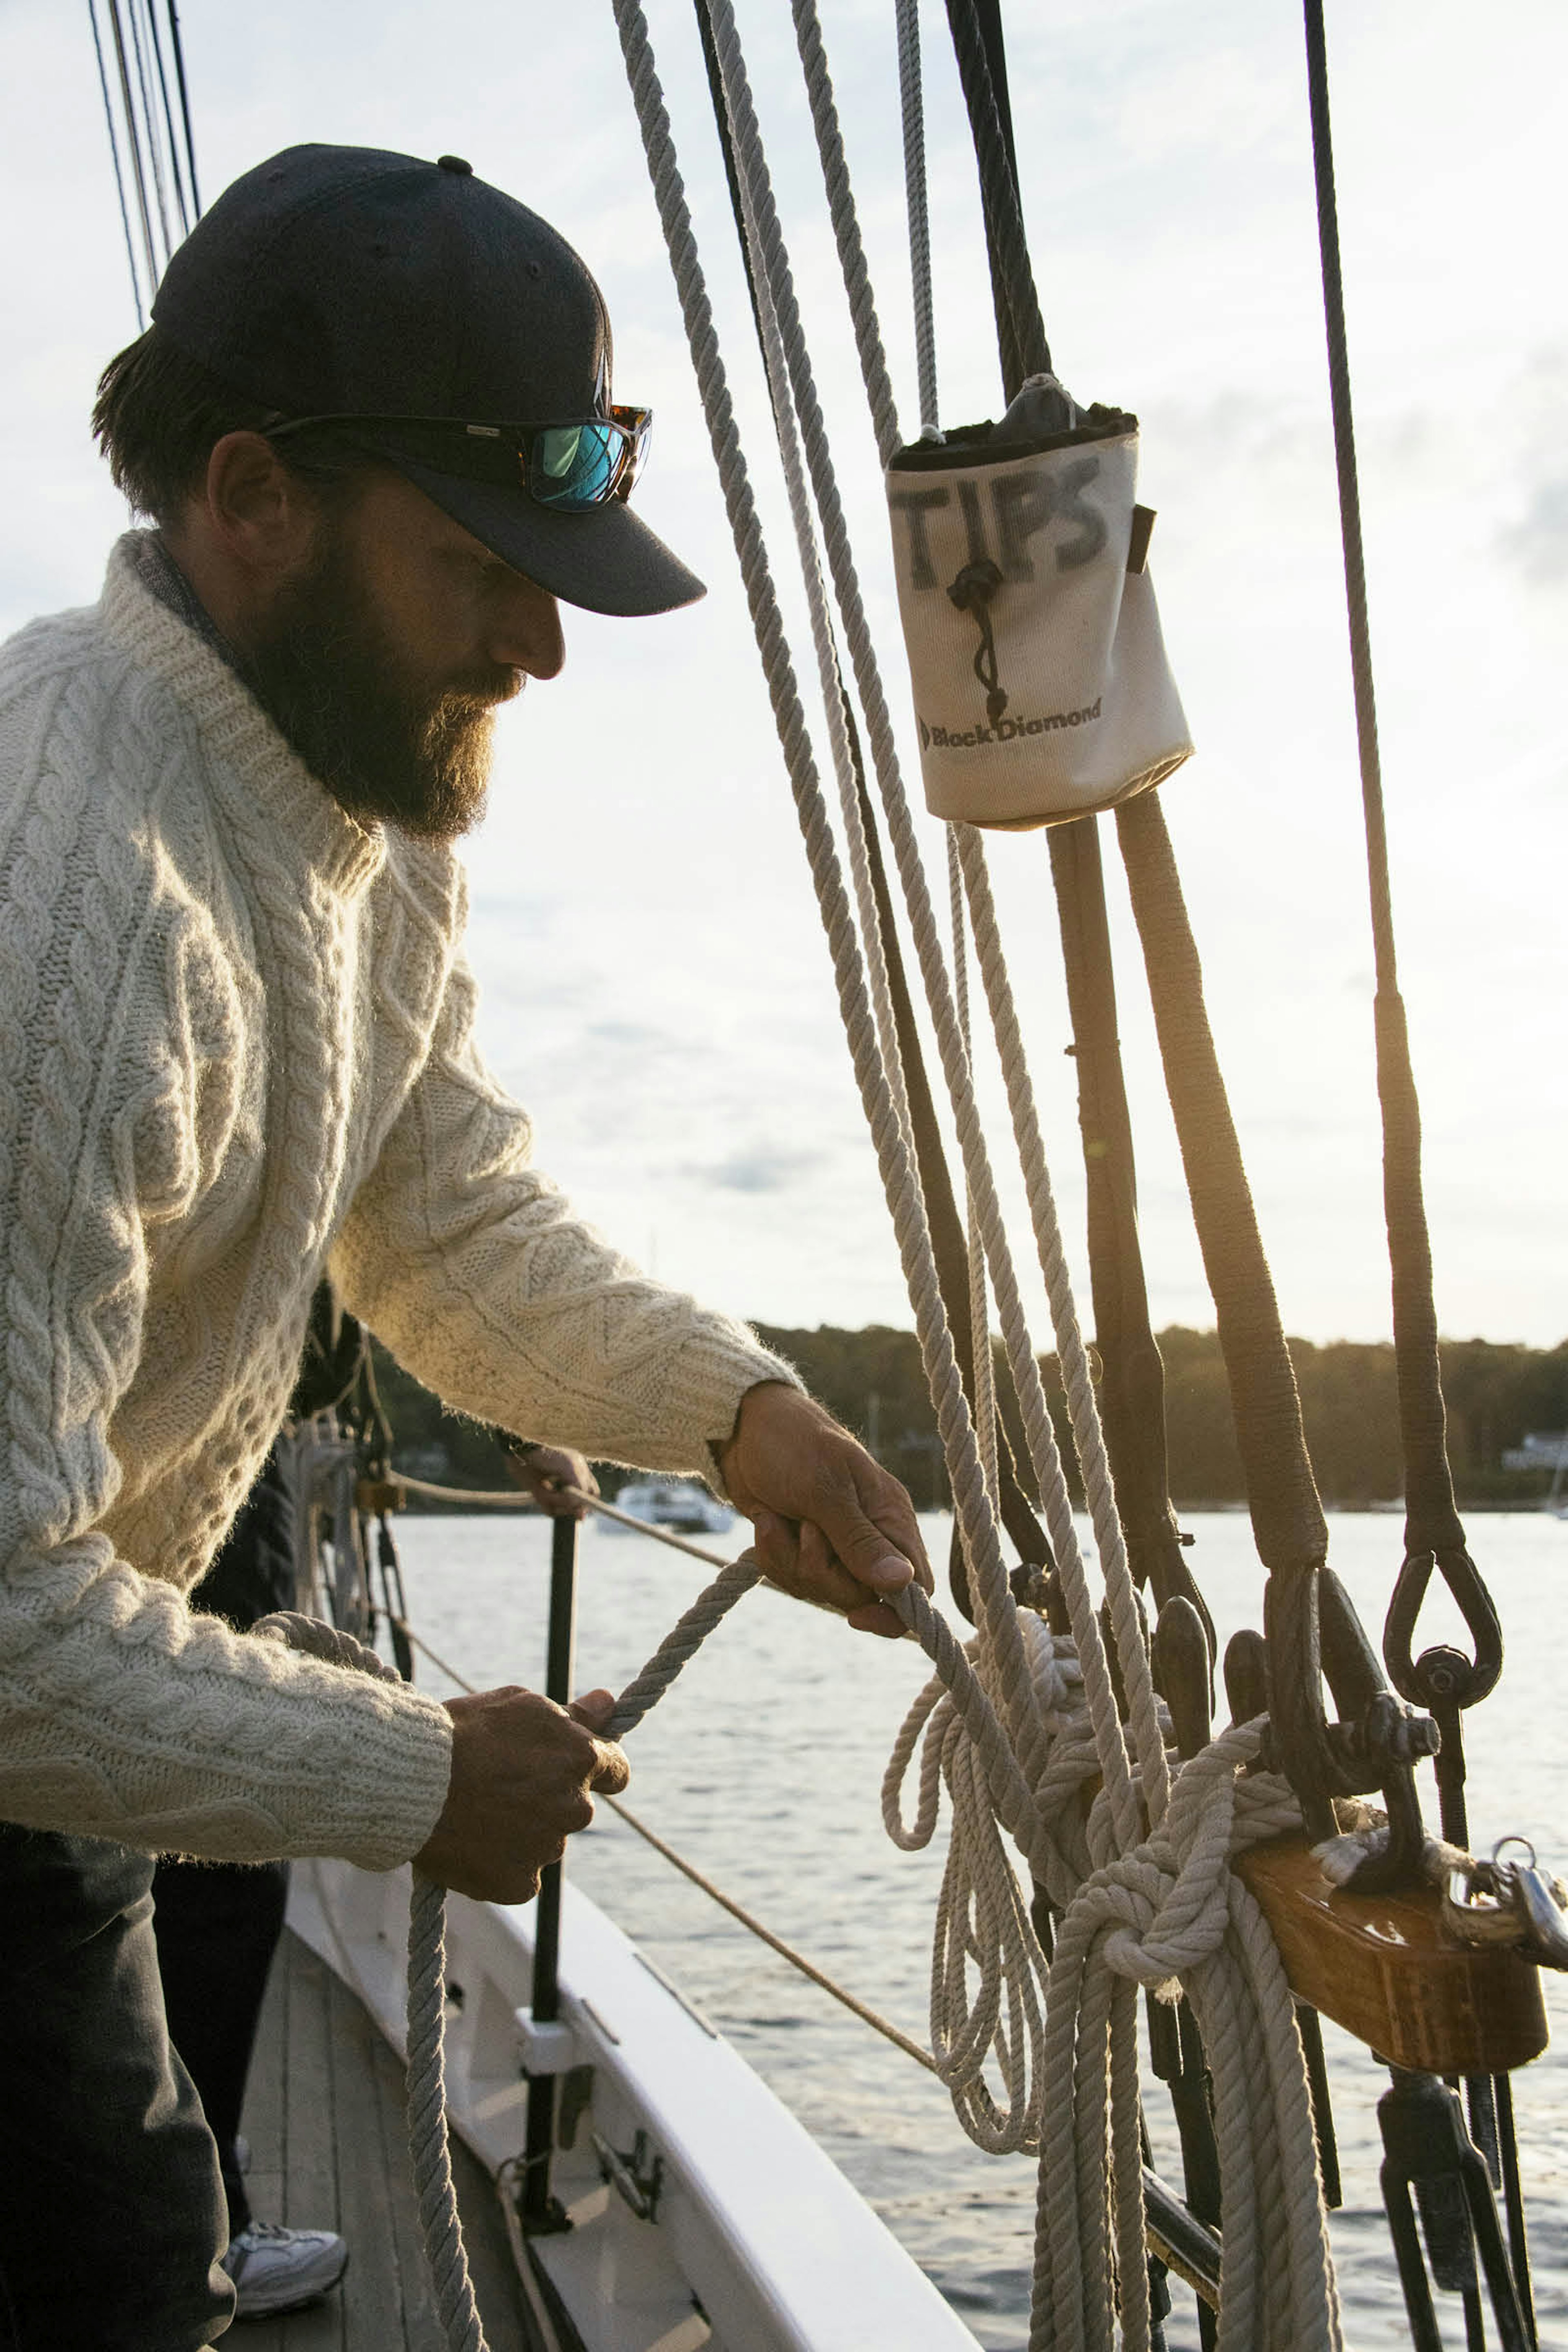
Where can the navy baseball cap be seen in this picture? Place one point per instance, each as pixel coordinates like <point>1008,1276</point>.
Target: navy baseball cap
<point>422,308</point>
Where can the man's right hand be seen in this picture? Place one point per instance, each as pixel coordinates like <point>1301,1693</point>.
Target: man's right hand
<point>521,1771</point>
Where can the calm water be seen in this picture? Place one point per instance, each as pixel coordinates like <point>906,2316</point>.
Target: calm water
<point>763,1767</point>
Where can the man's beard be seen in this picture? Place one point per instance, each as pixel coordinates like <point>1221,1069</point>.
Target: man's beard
<point>386,748</point>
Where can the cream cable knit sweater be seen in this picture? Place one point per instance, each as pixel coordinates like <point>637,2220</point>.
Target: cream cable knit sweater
<point>235,1045</point>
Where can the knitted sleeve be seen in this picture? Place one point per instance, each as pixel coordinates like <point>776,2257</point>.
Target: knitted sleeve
<point>473,1268</point>
<point>121,1714</point>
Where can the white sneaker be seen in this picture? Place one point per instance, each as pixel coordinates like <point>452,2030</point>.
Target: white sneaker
<point>274,2269</point>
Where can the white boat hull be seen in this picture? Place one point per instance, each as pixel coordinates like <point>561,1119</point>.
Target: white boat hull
<point>757,2243</point>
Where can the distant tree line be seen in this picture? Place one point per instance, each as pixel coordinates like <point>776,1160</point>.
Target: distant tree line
<point>872,1380</point>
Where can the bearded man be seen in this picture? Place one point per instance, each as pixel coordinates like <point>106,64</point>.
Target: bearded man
<point>371,422</point>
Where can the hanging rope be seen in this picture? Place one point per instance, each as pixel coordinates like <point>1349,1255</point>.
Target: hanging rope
<point>1297,2238</point>
<point>936,1185</point>
<point>772,266</point>
<point>912,110</point>
<point>1442,1679</point>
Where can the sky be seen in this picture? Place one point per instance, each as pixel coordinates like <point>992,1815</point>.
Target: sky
<point>655,984</point>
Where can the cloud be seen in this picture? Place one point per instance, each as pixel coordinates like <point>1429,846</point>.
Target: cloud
<point>761,1168</point>
<point>1537,546</point>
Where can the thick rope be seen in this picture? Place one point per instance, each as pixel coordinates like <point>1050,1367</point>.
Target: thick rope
<point>682,1642</point>
<point>912,109</point>
<point>429,2143</point>
<point>894,1160</point>
<point>998,1614</point>
<point>1022,1357</point>
<point>979,1318</point>
<point>1003,2032</point>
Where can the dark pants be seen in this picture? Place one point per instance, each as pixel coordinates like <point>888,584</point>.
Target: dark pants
<point>111,2212</point>
<point>217,1925</point>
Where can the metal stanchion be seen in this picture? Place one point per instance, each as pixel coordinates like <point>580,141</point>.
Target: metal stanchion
<point>540,2209</point>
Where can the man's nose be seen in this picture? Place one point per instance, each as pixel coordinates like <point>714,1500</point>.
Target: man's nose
<point>526,633</point>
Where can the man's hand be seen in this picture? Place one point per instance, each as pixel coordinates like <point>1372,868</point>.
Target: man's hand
<point>832,1525</point>
<point>521,1771</point>
<point>545,1472</point>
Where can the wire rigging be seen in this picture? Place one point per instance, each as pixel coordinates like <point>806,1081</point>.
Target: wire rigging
<point>152,144</point>
<point>170,133</point>
<point>114,157</point>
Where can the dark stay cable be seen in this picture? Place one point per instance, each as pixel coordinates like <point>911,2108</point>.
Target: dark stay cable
<point>150,130</point>
<point>133,147</point>
<point>1434,1533</point>
<point>1433,1523</point>
<point>976,29</point>
<point>156,47</point>
<point>178,47</point>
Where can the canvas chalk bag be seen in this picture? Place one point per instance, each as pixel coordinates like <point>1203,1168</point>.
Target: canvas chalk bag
<point>1041,686</point>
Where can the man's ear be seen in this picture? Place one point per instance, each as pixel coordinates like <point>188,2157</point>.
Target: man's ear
<point>260,512</point>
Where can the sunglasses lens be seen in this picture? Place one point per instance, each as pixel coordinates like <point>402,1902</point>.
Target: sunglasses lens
<point>578,465</point>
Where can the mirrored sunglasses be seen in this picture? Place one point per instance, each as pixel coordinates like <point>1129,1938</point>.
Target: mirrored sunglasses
<point>573,466</point>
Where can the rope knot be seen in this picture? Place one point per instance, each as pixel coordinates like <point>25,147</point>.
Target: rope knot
<point>1160,1910</point>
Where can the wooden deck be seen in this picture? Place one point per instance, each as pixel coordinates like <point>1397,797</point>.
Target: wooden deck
<point>325,2117</point>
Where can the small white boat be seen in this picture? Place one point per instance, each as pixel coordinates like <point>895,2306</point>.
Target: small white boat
<point>678,1504</point>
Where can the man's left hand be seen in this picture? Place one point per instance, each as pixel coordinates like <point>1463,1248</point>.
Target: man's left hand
<point>547,1473</point>
<point>832,1525</point>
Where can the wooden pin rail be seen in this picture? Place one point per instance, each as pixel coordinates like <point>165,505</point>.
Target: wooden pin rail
<point>1388,1969</point>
